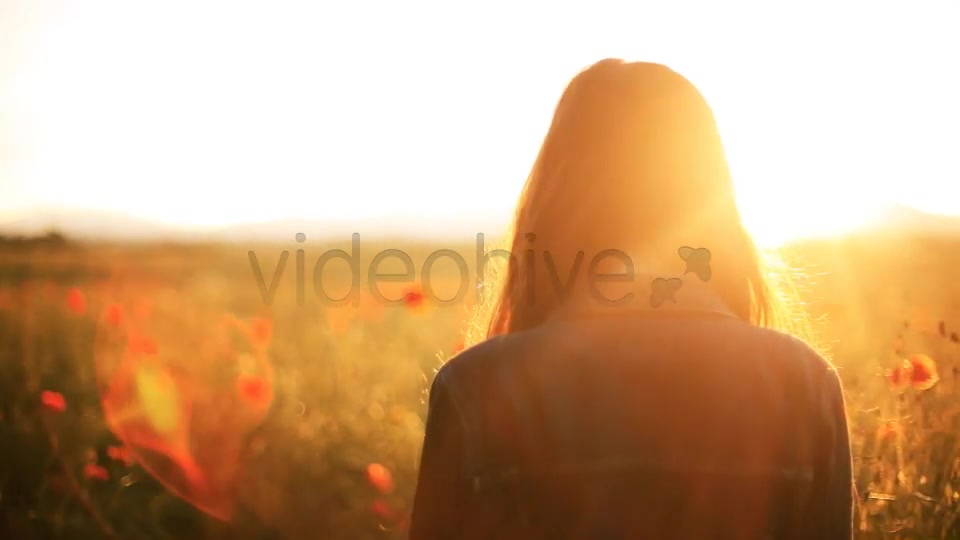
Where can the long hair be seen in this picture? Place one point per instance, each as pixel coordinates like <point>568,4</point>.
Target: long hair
<point>633,157</point>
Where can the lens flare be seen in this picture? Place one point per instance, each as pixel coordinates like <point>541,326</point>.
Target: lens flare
<point>183,399</point>
<point>158,398</point>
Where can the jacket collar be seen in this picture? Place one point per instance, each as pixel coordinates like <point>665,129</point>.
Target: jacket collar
<point>656,295</point>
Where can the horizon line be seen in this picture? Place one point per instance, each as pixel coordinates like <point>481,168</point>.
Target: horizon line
<point>380,227</point>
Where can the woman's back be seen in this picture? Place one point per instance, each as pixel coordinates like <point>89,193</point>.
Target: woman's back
<point>682,423</point>
<point>586,414</point>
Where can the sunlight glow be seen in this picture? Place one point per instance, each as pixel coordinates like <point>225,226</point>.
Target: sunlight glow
<point>212,114</point>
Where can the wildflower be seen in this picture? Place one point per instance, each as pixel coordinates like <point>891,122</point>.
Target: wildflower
<point>261,331</point>
<point>120,453</point>
<point>923,372</point>
<point>382,509</point>
<point>139,344</point>
<point>919,371</point>
<point>380,478</point>
<point>95,472</point>
<point>76,301</point>
<point>255,390</point>
<point>899,376</point>
<point>413,299</point>
<point>53,401</point>
<point>113,314</point>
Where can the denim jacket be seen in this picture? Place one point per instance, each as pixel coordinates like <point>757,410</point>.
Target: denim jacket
<point>681,422</point>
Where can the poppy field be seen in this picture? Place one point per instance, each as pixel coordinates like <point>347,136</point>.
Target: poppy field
<point>151,392</point>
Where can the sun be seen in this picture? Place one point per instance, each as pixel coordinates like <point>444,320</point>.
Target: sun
<point>773,223</point>
<point>793,211</point>
<point>782,198</point>
<point>790,209</point>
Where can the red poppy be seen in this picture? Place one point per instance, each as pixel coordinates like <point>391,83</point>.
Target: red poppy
<point>76,301</point>
<point>114,315</point>
<point>255,390</point>
<point>261,330</point>
<point>382,509</point>
<point>413,299</point>
<point>120,453</point>
<point>899,376</point>
<point>95,472</point>
<point>923,372</point>
<point>380,477</point>
<point>139,344</point>
<point>919,371</point>
<point>53,401</point>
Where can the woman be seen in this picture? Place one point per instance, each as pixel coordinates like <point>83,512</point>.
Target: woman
<point>607,404</point>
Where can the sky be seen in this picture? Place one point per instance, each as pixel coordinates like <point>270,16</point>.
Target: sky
<point>206,113</point>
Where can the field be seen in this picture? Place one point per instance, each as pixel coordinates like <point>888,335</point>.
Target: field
<point>303,419</point>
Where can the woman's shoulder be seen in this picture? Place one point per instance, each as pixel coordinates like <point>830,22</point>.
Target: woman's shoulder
<point>797,349</point>
<point>480,355</point>
<point>495,356</point>
<point>486,358</point>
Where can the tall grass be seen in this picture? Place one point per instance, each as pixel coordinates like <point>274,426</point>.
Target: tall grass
<point>332,449</point>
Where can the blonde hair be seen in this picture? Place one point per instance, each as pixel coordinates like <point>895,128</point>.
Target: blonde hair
<point>633,157</point>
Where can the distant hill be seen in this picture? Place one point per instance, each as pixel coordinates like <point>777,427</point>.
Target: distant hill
<point>439,228</point>
<point>904,221</point>
<point>112,226</point>
<point>89,225</point>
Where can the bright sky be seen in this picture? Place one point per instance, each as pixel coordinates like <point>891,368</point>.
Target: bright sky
<point>204,113</point>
